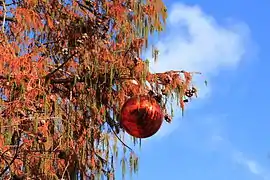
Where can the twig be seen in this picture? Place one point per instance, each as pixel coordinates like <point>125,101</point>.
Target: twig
<point>65,171</point>
<point>11,19</point>
<point>85,7</point>
<point>4,17</point>
<point>101,158</point>
<point>68,73</point>
<point>12,161</point>
<point>121,140</point>
<point>3,153</point>
<point>119,137</point>
<point>1,3</point>
<point>8,166</point>
<point>59,67</point>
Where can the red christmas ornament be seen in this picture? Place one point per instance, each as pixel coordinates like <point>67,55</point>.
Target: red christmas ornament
<point>141,116</point>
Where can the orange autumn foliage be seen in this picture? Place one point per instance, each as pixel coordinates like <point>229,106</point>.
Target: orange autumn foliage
<point>66,69</point>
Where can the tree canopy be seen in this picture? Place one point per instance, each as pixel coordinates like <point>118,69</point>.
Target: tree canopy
<point>66,69</point>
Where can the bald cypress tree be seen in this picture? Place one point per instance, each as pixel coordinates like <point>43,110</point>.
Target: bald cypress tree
<point>66,69</point>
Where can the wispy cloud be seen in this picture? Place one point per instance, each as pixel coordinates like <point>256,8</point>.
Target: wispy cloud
<point>251,165</point>
<point>227,148</point>
<point>215,139</point>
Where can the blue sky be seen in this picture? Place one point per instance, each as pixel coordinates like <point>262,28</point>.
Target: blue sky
<point>225,133</point>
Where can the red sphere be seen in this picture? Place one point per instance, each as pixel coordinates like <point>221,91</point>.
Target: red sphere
<point>141,116</point>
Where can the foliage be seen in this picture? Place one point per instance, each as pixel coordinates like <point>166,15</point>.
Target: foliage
<point>66,68</point>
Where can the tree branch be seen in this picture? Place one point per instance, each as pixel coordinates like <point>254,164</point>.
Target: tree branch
<point>11,19</point>
<point>85,7</point>
<point>1,4</point>
<point>47,77</point>
<point>117,135</point>
<point>121,140</point>
<point>4,16</point>
<point>65,80</point>
<point>12,161</point>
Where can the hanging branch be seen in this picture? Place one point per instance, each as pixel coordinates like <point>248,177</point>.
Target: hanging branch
<point>117,135</point>
<point>121,140</point>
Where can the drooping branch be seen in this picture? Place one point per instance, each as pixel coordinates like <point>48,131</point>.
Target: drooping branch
<point>111,126</point>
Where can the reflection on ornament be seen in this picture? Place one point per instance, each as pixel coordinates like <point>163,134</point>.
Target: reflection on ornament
<point>141,116</point>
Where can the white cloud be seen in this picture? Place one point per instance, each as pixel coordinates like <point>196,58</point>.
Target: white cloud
<point>195,41</point>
